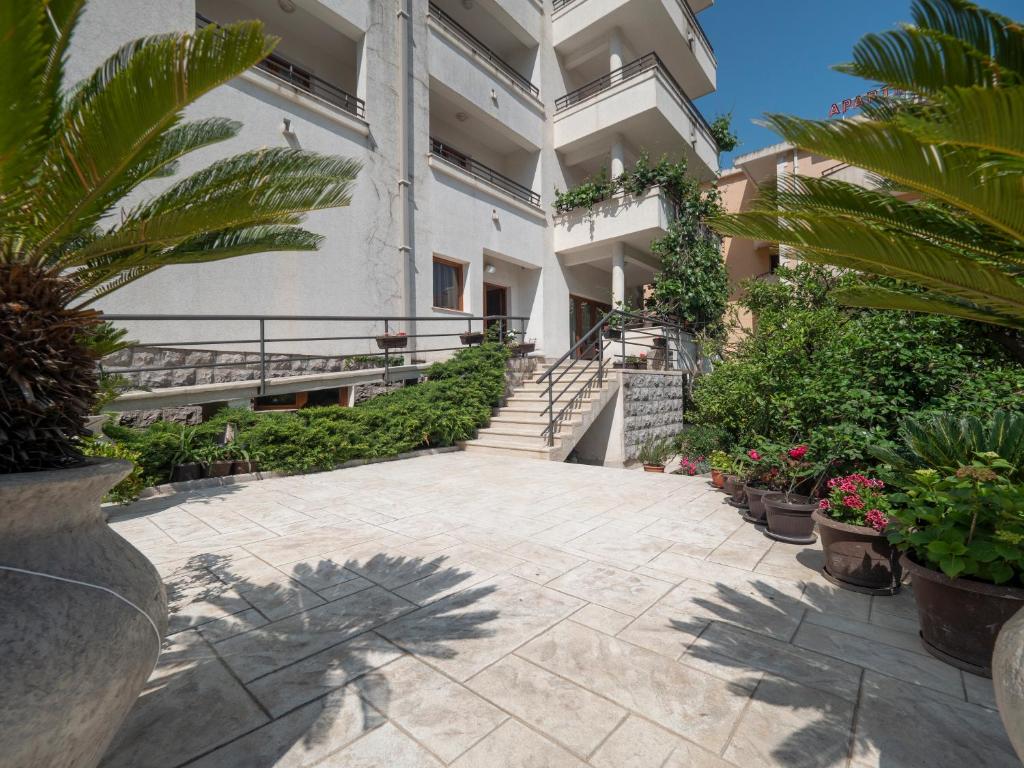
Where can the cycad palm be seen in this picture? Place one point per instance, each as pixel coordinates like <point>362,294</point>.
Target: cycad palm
<point>957,146</point>
<point>68,157</point>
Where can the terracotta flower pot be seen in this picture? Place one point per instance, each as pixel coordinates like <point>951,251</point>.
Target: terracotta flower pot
<point>717,478</point>
<point>789,517</point>
<point>654,468</point>
<point>755,501</point>
<point>961,618</point>
<point>858,558</point>
<point>83,617</point>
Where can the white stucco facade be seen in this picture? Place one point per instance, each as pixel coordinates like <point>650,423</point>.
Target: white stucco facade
<point>495,96</point>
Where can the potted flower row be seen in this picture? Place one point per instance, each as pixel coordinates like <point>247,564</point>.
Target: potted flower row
<point>634,362</point>
<point>194,462</point>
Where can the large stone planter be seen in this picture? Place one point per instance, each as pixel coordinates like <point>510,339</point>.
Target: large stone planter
<point>1008,677</point>
<point>83,614</point>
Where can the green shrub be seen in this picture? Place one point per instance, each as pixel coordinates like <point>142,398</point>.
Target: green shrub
<point>844,379</point>
<point>128,489</point>
<point>451,405</point>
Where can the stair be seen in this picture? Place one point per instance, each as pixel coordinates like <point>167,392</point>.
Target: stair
<point>516,428</point>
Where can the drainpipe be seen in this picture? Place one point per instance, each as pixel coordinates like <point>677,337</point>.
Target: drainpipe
<point>405,144</point>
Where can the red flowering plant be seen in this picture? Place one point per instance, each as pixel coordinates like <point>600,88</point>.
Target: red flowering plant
<point>857,500</point>
<point>760,466</point>
<point>797,470</point>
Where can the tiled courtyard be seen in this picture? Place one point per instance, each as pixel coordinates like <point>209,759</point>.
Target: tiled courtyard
<point>480,613</point>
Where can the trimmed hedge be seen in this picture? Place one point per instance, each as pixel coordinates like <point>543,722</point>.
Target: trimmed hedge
<point>451,405</point>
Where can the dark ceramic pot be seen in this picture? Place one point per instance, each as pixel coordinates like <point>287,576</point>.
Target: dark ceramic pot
<point>392,342</point>
<point>858,558</point>
<point>219,468</point>
<point>789,517</point>
<point>469,339</point>
<point>733,485</point>
<point>244,467</point>
<point>961,618</point>
<point>525,349</point>
<point>755,500</point>
<point>183,472</point>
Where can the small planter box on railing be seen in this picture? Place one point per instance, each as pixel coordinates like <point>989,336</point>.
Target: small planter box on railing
<point>471,338</point>
<point>524,348</point>
<point>392,341</point>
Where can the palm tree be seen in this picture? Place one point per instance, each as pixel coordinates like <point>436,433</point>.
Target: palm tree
<point>952,139</point>
<point>69,157</point>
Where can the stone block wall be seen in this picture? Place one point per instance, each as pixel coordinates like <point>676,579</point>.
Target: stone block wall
<point>652,407</point>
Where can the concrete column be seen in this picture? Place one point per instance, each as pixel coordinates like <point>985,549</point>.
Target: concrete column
<point>615,52</point>
<point>618,273</point>
<point>618,164</point>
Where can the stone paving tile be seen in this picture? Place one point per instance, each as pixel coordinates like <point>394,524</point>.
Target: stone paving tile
<point>750,651</point>
<point>295,684</point>
<point>690,703</point>
<point>175,729</point>
<point>385,746</point>
<point>301,738</point>
<point>613,588</point>
<point>514,745</point>
<point>602,619</point>
<point>903,665</point>
<point>941,733</point>
<point>271,647</point>
<point>641,744</point>
<point>443,716</point>
<point>708,669</point>
<point>792,726</point>
<point>572,716</point>
<point>463,633</point>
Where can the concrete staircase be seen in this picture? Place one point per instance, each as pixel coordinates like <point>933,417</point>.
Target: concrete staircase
<point>516,427</point>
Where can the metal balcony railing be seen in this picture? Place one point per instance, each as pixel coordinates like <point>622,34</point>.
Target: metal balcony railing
<point>482,172</point>
<point>264,350</point>
<point>627,72</point>
<point>304,80</point>
<point>482,50</point>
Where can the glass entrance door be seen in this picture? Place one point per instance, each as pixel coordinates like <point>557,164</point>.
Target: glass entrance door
<point>583,314</point>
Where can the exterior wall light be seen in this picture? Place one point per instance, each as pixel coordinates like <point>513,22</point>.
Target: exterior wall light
<point>490,269</point>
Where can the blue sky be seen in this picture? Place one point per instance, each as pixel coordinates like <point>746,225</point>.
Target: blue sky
<point>776,56</point>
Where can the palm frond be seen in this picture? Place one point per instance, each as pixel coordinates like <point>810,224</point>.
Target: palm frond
<point>989,119</point>
<point>950,174</point>
<point>116,121</point>
<point>998,36</point>
<point>876,297</point>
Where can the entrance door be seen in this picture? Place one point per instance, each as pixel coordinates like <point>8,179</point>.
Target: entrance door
<point>583,315</point>
<point>496,303</point>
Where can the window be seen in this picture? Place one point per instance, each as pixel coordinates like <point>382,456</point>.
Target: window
<point>774,263</point>
<point>448,283</point>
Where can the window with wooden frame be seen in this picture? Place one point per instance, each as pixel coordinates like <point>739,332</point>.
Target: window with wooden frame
<point>449,281</point>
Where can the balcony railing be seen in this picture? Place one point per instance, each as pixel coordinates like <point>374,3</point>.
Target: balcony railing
<point>627,72</point>
<point>482,172</point>
<point>482,50</point>
<point>304,80</point>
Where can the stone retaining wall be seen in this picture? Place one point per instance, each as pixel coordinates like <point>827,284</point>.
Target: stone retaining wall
<point>652,407</point>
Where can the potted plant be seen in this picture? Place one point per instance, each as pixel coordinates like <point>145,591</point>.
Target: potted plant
<point>720,465</point>
<point>962,537</point>
<point>242,462</point>
<point>653,454</point>
<point>852,522</point>
<point>186,464</point>
<point>735,479</point>
<point>691,467</point>
<point>397,340</point>
<point>469,338</point>
<point>762,477</point>
<point>787,513</point>
<point>215,460</point>
<point>525,347</point>
<point>84,611</point>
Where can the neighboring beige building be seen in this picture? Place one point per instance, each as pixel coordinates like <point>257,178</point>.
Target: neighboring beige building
<point>741,186</point>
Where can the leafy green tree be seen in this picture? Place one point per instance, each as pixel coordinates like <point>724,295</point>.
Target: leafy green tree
<point>950,135</point>
<point>68,158</point>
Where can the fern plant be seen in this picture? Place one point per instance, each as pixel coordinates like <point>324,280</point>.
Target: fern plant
<point>952,140</point>
<point>71,153</point>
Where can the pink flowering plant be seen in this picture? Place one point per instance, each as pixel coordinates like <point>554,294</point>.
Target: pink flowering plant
<point>797,468</point>
<point>693,465</point>
<point>857,500</point>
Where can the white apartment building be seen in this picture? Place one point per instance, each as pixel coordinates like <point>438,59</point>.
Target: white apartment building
<point>467,115</point>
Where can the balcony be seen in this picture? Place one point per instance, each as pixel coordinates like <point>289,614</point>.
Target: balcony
<point>580,28</point>
<point>283,69</point>
<point>481,172</point>
<point>633,221</point>
<point>642,101</point>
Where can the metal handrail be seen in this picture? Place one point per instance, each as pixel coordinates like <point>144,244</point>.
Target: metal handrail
<point>518,80</point>
<point>263,339</point>
<point>482,172</point>
<point>598,376</point>
<point>645,63</point>
<point>695,24</point>
<point>283,69</point>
